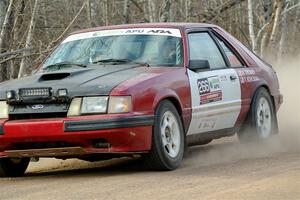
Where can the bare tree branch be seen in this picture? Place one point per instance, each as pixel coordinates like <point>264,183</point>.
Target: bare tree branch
<point>290,8</point>
<point>16,52</point>
<point>70,24</point>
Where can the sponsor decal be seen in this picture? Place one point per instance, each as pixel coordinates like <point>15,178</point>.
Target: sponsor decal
<point>136,31</point>
<point>211,97</point>
<point>249,79</point>
<point>207,124</point>
<point>246,72</point>
<point>152,31</point>
<point>247,76</point>
<point>223,78</point>
<point>209,89</point>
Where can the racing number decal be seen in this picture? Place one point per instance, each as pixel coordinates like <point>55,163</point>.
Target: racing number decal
<point>203,86</point>
<point>209,89</point>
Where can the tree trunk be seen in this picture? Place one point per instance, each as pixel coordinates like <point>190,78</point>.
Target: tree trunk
<point>29,37</point>
<point>283,39</point>
<point>106,12</point>
<point>267,20</point>
<point>126,11</point>
<point>152,13</point>
<point>88,13</point>
<point>45,20</point>
<point>295,34</point>
<point>165,13</point>
<point>276,21</point>
<point>16,42</point>
<point>4,40</point>
<point>4,30</point>
<point>188,9</point>
<point>251,26</point>
<point>3,9</point>
<point>173,13</point>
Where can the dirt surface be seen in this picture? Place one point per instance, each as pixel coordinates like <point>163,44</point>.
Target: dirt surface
<point>224,169</point>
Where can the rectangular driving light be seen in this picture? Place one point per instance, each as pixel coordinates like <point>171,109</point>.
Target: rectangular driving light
<point>35,92</point>
<point>62,93</point>
<point>10,95</point>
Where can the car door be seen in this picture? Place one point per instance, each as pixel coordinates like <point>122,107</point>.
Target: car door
<point>215,92</point>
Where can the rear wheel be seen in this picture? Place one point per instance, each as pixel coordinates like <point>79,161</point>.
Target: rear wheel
<point>13,167</point>
<point>167,139</point>
<point>261,122</point>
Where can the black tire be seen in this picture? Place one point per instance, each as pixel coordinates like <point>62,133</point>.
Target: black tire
<point>13,167</point>
<point>159,158</point>
<point>253,128</point>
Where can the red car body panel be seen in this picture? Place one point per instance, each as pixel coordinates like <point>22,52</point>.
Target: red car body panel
<point>155,85</point>
<point>134,139</point>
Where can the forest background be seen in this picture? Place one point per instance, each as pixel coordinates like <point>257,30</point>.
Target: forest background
<point>30,29</point>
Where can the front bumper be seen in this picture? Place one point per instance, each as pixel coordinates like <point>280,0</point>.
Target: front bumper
<point>121,133</point>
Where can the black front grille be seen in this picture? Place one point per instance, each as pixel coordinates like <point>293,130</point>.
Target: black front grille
<point>37,111</point>
<point>37,116</point>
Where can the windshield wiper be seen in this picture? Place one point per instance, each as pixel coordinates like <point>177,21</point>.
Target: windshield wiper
<point>115,61</point>
<point>63,64</point>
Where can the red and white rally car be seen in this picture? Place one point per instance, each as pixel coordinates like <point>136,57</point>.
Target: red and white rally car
<point>148,89</point>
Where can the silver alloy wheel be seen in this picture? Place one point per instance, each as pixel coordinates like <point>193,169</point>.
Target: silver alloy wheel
<point>170,134</point>
<point>264,118</point>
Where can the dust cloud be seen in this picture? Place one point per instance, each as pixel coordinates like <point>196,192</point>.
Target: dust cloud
<point>228,150</point>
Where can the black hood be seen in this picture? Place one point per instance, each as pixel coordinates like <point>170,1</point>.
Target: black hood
<point>95,80</point>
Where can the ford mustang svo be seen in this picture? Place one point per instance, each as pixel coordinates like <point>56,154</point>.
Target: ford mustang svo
<point>143,89</point>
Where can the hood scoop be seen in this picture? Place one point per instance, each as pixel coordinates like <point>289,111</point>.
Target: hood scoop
<point>54,76</point>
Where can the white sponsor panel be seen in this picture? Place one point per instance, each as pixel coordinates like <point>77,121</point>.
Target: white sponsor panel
<point>216,100</point>
<point>135,31</point>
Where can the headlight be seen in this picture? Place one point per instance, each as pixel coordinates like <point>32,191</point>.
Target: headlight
<point>3,110</point>
<point>98,105</point>
<point>74,109</point>
<point>119,104</point>
<point>92,105</point>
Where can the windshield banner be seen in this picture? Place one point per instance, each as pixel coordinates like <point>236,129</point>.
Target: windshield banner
<point>135,31</point>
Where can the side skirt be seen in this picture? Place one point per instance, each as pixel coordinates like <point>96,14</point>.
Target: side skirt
<point>196,139</point>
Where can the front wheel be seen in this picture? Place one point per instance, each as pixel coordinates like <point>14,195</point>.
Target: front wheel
<point>167,139</point>
<point>261,121</point>
<point>13,167</point>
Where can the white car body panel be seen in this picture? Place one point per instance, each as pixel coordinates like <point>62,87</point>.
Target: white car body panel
<point>216,100</point>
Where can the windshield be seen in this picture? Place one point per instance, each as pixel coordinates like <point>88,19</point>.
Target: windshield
<point>159,47</point>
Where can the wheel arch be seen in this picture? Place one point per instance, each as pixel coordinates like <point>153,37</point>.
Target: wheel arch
<point>265,86</point>
<point>174,99</point>
<point>250,121</point>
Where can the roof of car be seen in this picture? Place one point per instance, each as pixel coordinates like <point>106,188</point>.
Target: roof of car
<point>148,25</point>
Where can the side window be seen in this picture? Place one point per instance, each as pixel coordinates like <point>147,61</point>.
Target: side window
<point>202,47</point>
<point>234,61</point>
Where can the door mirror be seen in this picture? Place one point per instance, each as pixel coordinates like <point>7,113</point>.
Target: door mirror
<point>195,65</point>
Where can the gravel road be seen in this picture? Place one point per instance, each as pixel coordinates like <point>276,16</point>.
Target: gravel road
<point>221,170</point>
<point>224,169</point>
